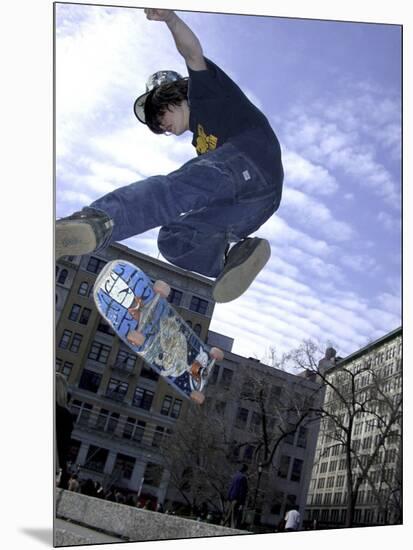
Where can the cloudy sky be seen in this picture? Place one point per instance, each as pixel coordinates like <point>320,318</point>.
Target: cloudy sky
<point>331,91</point>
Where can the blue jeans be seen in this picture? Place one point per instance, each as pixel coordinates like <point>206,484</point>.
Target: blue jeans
<point>214,199</point>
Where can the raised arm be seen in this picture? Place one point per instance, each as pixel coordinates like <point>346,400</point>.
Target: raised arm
<point>186,41</point>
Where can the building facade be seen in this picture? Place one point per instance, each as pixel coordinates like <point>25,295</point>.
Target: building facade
<point>243,391</point>
<point>124,412</point>
<point>121,408</point>
<point>360,437</point>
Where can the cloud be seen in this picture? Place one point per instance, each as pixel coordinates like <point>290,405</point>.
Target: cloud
<point>309,177</point>
<point>389,221</point>
<point>344,134</point>
<point>358,262</point>
<point>310,213</point>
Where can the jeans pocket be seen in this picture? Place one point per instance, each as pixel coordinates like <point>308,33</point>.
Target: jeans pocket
<point>250,184</point>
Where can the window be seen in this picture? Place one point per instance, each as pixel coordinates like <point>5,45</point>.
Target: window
<point>94,265</point>
<point>284,466</point>
<point>166,405</point>
<point>296,469</point>
<point>199,305</point>
<point>83,289</point>
<point>337,498</point>
<point>321,483</point>
<point>107,421</point>
<point>241,418</point>
<point>76,341</point>
<point>330,482</point>
<point>340,481</point>
<point>81,412</point>
<point>334,515</point>
<point>90,381</point>
<point>368,516</point>
<point>134,429</point>
<point>302,437</point>
<point>62,276</point>
<point>99,352</point>
<point>153,474</point>
<point>333,466</point>
<point>143,398</point>
<point>74,312</point>
<point>84,317</point>
<point>175,297</point>
<point>335,450</point>
<point>104,327</point>
<point>171,407</point>
<point>96,459</point>
<point>159,434</point>
<point>323,467</point>
<point>116,390</point>
<point>327,498</point>
<point>226,378</point>
<point>367,441</point>
<point>124,464</point>
<point>65,339</point>
<point>125,361</point>
<point>148,373</point>
<point>64,368</point>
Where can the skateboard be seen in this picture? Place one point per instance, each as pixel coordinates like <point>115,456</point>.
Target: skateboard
<point>139,313</point>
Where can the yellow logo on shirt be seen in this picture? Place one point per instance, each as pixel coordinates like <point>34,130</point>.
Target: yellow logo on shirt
<point>205,143</point>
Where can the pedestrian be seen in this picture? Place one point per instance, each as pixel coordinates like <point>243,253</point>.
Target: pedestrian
<point>208,208</point>
<point>237,496</point>
<point>74,484</point>
<point>88,488</point>
<point>292,519</point>
<point>63,429</point>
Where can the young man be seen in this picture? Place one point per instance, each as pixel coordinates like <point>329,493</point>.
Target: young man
<point>292,519</point>
<point>220,197</point>
<point>237,496</point>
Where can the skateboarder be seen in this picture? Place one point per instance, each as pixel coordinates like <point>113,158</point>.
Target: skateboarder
<point>213,201</point>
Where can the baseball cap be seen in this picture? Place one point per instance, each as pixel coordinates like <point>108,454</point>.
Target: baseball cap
<point>154,81</point>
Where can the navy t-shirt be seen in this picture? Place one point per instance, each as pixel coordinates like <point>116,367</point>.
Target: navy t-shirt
<point>221,112</point>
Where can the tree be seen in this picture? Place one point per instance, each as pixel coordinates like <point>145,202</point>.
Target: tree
<point>197,457</point>
<point>358,392</point>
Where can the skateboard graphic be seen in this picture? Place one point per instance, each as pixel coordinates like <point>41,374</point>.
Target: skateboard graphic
<point>139,313</point>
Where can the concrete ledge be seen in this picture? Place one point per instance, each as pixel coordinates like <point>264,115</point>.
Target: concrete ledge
<point>132,523</point>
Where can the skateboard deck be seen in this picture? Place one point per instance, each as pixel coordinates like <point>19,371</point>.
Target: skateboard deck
<point>139,313</point>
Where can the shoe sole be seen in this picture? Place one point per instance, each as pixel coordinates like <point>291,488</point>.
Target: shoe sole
<point>74,239</point>
<point>234,283</point>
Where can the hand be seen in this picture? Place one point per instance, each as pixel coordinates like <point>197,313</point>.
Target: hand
<point>158,15</point>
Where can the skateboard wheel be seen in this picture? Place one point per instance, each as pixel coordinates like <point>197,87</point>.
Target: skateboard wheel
<point>162,288</point>
<point>198,397</point>
<point>216,354</point>
<point>136,338</point>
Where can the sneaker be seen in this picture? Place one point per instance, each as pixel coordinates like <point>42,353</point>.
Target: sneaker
<point>82,232</point>
<point>243,263</point>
